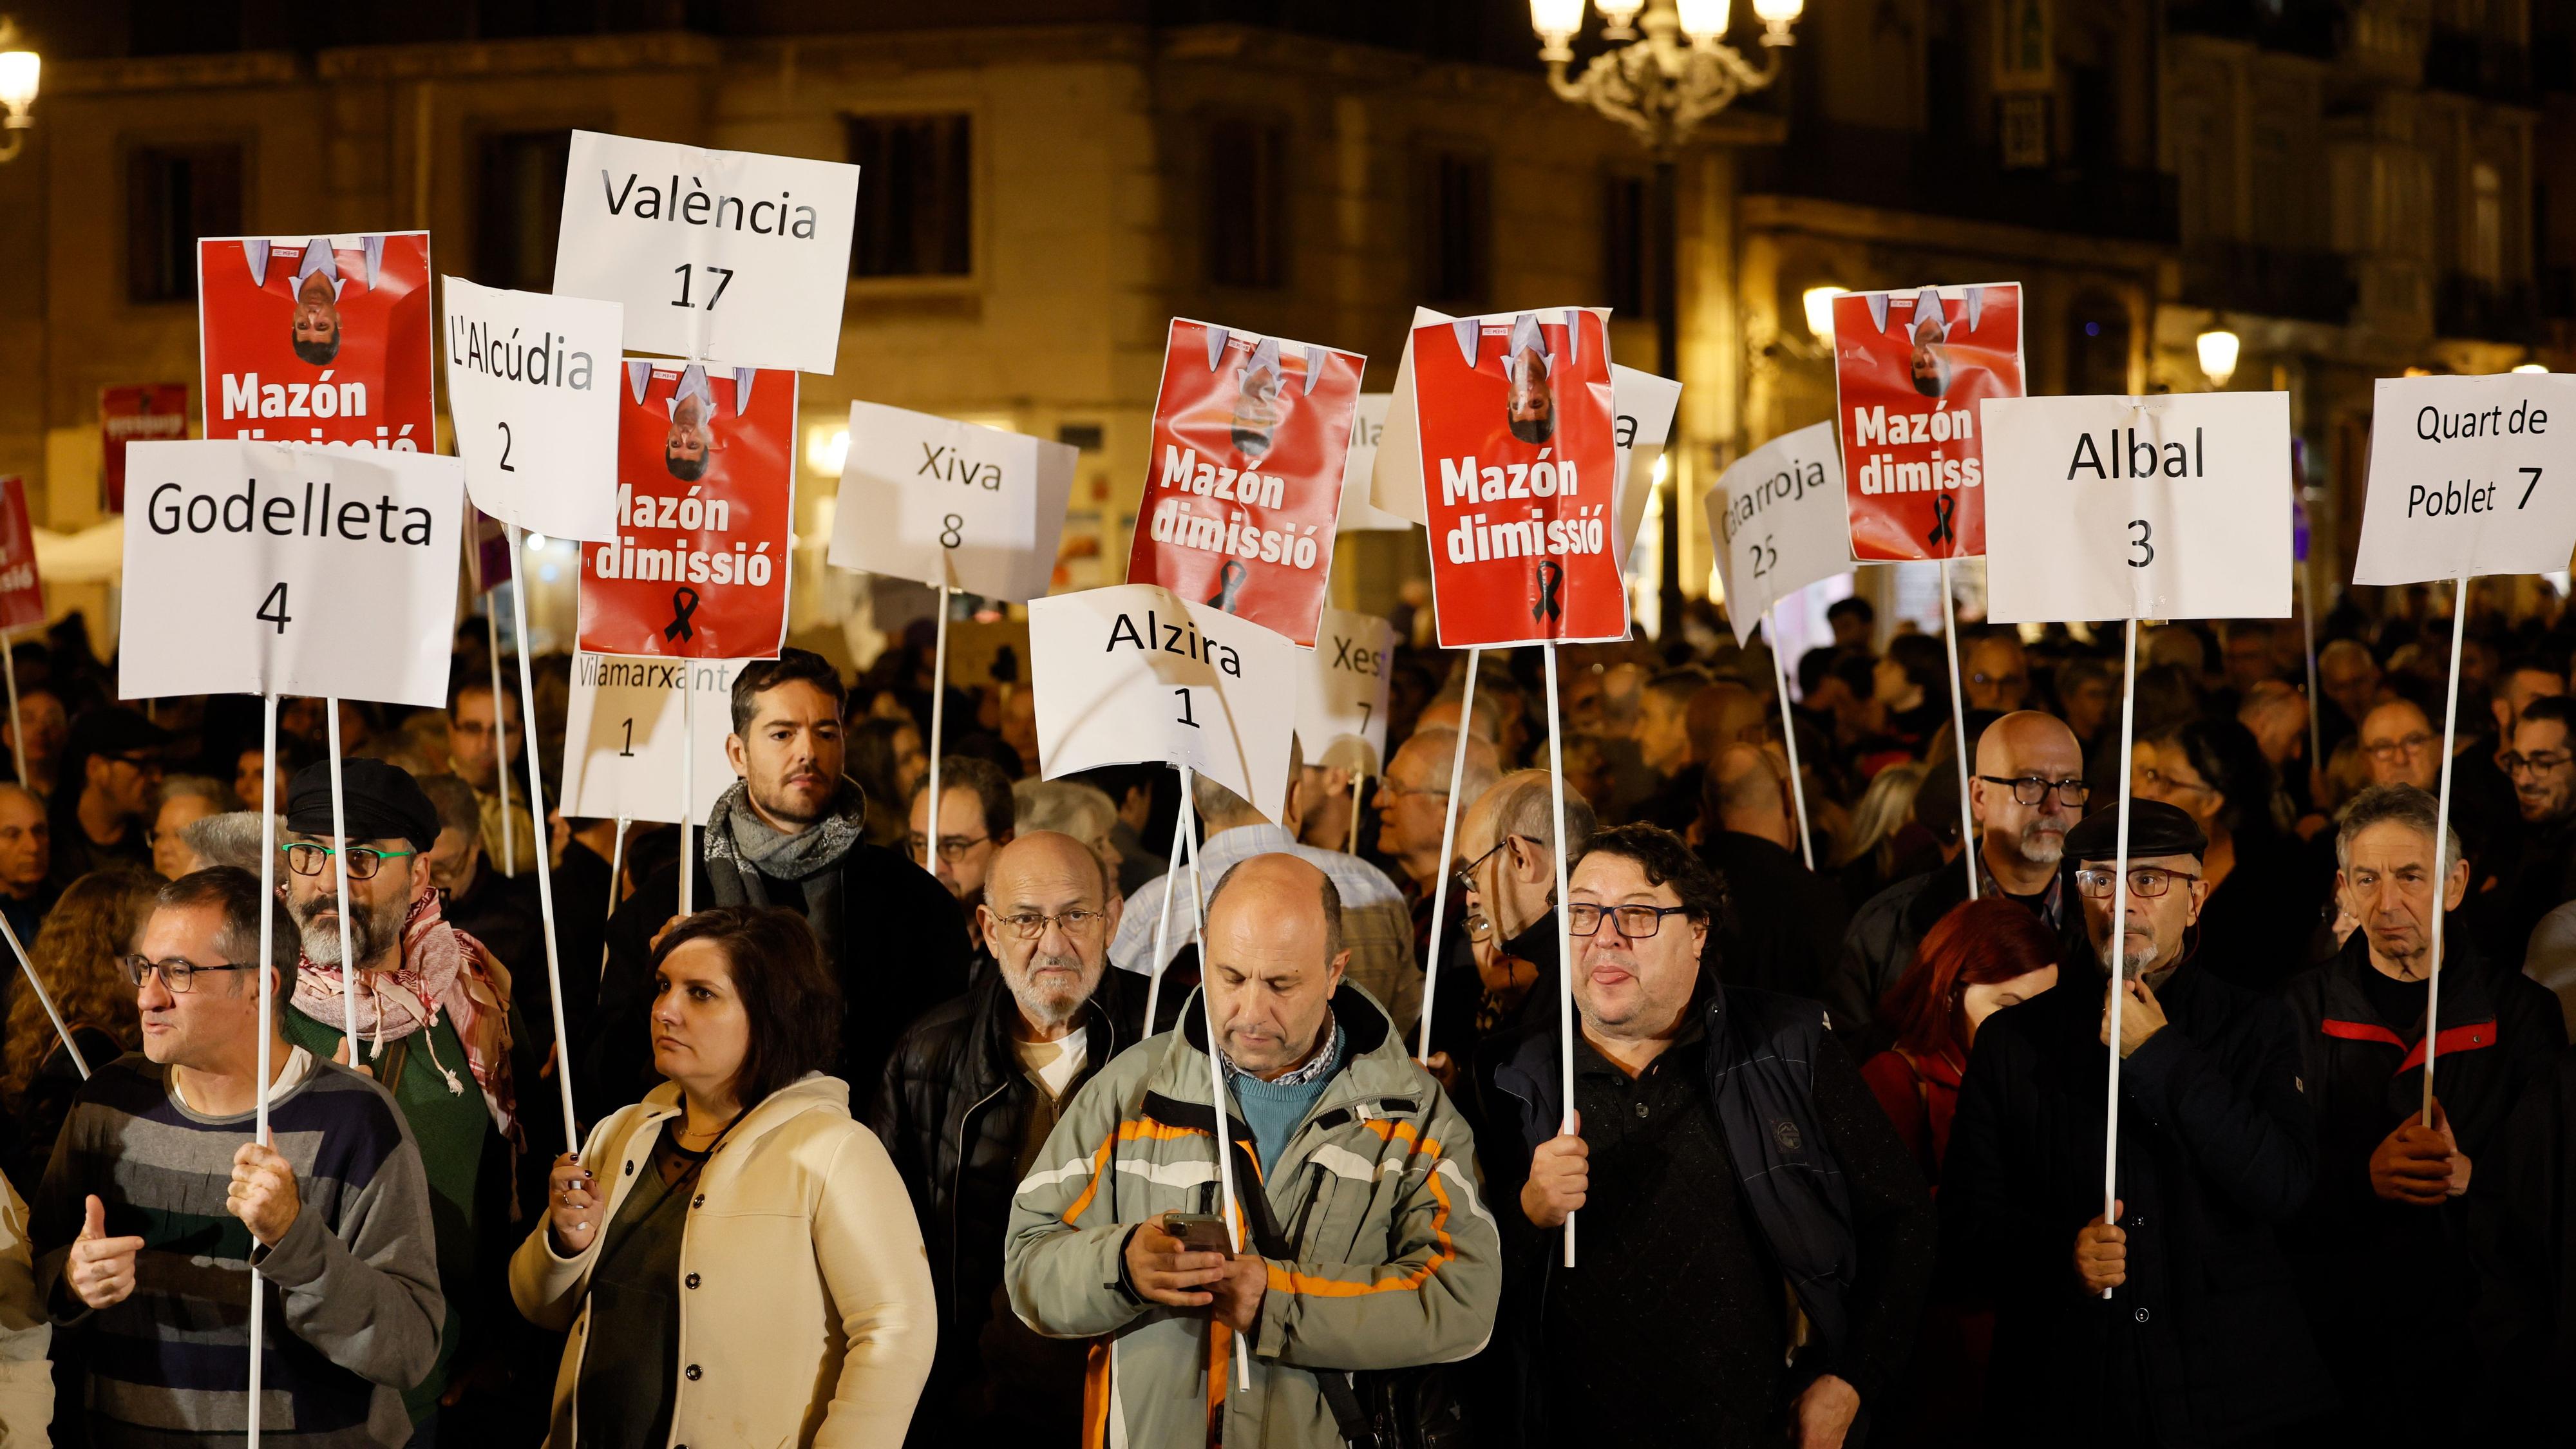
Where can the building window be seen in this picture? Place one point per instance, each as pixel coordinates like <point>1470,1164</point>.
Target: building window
<point>519,208</point>
<point>174,195</point>
<point>1627,245</point>
<point>2486,223</point>
<point>915,196</point>
<point>1247,202</point>
<point>1455,241</point>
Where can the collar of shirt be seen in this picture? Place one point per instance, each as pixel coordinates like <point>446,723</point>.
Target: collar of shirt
<point>2052,902</point>
<point>318,257</point>
<point>1589,1062</point>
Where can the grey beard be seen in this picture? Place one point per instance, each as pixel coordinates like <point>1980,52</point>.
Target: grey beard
<point>1046,1010</point>
<point>2137,963</point>
<point>2041,847</point>
<point>369,934</point>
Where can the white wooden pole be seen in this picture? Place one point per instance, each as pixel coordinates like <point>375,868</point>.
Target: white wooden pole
<point>688,783</point>
<point>545,869</point>
<point>2308,631</point>
<point>1216,1086</point>
<point>1564,923</point>
<point>1163,917</point>
<point>2441,824</point>
<point>938,713</point>
<point>17,730</point>
<point>46,997</point>
<point>268,1024</point>
<point>1789,734</point>
<point>1968,842</point>
<point>1448,849</point>
<point>2119,932</point>
<point>501,730</point>
<point>340,843</point>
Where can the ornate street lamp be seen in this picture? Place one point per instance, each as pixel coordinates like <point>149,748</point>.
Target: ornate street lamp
<point>1661,86</point>
<point>20,69</point>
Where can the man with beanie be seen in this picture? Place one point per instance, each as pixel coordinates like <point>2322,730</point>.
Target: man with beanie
<point>434,1026</point>
<point>2201,1339</point>
<point>790,832</point>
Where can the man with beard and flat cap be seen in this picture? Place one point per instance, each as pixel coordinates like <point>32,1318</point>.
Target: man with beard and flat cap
<point>2201,1341</point>
<point>434,1025</point>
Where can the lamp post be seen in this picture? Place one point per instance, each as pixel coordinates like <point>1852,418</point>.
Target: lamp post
<point>20,69</point>
<point>1661,85</point>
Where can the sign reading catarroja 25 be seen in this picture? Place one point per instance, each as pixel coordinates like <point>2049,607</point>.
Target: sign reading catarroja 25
<point>1777,520</point>
<point>270,568</point>
<point>727,254</point>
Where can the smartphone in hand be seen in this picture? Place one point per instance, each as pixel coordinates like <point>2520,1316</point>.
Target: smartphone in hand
<point>1201,1233</point>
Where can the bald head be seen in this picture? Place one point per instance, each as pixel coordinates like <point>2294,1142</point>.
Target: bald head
<point>1041,855</point>
<point>1746,786</point>
<point>1274,958</point>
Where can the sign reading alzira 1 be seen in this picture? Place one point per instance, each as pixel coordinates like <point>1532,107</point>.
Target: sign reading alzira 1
<point>705,495</point>
<point>325,339</point>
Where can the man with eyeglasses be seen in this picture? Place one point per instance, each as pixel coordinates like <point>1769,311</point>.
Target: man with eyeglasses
<point>976,818</point>
<point>436,1025</point>
<point>970,1095</point>
<point>103,805</point>
<point>2202,1341</point>
<point>1506,879</point>
<point>2392,1189</point>
<point>160,1213</point>
<point>1755,1241</point>
<point>2027,792</point>
<point>484,737</point>
<point>1412,808</point>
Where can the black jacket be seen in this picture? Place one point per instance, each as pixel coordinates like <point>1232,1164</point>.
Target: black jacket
<point>903,951</point>
<point>2205,1343</point>
<point>2374,1272</point>
<point>2522,1231</point>
<point>952,1108</point>
<point>1880,942</point>
<point>1786,923</point>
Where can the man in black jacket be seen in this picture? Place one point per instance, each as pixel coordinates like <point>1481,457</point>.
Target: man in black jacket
<point>2381,1251</point>
<point>2200,1340</point>
<point>1788,922</point>
<point>790,832</point>
<point>967,1101</point>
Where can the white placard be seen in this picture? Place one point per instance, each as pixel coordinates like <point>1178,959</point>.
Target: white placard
<point>729,254</point>
<point>1133,673</point>
<point>1776,523</point>
<point>623,733</point>
<point>1395,473</point>
<point>1642,405</point>
<point>532,387</point>
<point>1358,514</point>
<point>2162,507</point>
<point>2471,475</point>
<point>282,568</point>
<point>936,500</point>
<point>1344,693</point>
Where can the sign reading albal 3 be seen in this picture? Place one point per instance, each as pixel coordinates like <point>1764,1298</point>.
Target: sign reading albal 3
<point>2469,475</point>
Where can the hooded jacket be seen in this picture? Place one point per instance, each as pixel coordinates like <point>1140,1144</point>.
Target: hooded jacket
<point>1397,1262</point>
<point>805,1307</point>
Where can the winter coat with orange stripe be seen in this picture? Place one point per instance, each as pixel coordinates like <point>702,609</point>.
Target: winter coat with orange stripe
<point>1396,1260</point>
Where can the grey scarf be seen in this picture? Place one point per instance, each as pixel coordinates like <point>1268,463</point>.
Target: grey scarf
<point>745,852</point>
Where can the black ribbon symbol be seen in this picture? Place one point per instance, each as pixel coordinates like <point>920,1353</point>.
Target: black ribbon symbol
<point>1229,584</point>
<point>1943,505</point>
<point>1551,582</point>
<point>684,602</point>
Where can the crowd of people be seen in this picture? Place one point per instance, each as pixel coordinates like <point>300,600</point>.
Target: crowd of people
<point>910,1132</point>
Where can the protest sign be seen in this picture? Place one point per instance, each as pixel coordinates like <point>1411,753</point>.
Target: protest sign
<point>705,497</point>
<point>1133,673</point>
<point>1358,515</point>
<point>532,391</point>
<point>1515,420</point>
<point>276,568</point>
<point>945,502</point>
<point>1244,474</point>
<point>623,736</point>
<point>1909,371</point>
<point>1643,404</point>
<point>321,339</point>
<point>22,594</point>
<point>1344,692</point>
<point>714,253</point>
<point>2136,507</point>
<point>137,414</point>
<point>2469,475</point>
<point>1775,521</point>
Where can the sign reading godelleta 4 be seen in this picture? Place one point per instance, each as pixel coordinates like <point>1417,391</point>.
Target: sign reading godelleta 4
<point>269,568</point>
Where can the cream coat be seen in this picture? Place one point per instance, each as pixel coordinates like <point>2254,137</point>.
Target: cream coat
<point>806,1315</point>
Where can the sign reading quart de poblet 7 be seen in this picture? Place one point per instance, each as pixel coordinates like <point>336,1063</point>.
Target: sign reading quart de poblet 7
<point>2469,475</point>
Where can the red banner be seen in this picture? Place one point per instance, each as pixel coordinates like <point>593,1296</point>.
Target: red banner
<point>150,410</point>
<point>706,485</point>
<point>1911,369</point>
<point>325,340</point>
<point>22,594</point>
<point>1245,477</point>
<point>1518,455</point>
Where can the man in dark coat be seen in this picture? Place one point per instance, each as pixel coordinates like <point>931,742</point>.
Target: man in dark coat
<point>1786,925</point>
<point>790,832</point>
<point>2382,1250</point>
<point>2522,1220</point>
<point>2201,1340</point>
<point>967,1101</point>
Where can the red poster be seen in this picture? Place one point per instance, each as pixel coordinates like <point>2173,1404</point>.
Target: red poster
<point>1911,369</point>
<point>705,495</point>
<point>318,340</point>
<point>151,410</point>
<point>1517,459</point>
<point>22,595</point>
<point>1245,479</point>
<point>487,556</point>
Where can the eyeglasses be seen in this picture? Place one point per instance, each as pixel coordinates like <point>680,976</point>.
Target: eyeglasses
<point>2031,789</point>
<point>1398,790</point>
<point>952,848</point>
<point>1637,923</point>
<point>1465,875</point>
<point>176,973</point>
<point>1030,925</point>
<point>2146,880</point>
<point>305,858</point>
<point>2386,750</point>
<point>2538,763</point>
<point>2156,779</point>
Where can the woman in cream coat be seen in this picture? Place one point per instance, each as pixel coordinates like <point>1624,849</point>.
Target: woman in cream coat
<point>751,1273</point>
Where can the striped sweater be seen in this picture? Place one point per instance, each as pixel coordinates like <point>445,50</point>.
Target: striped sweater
<point>353,1300</point>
